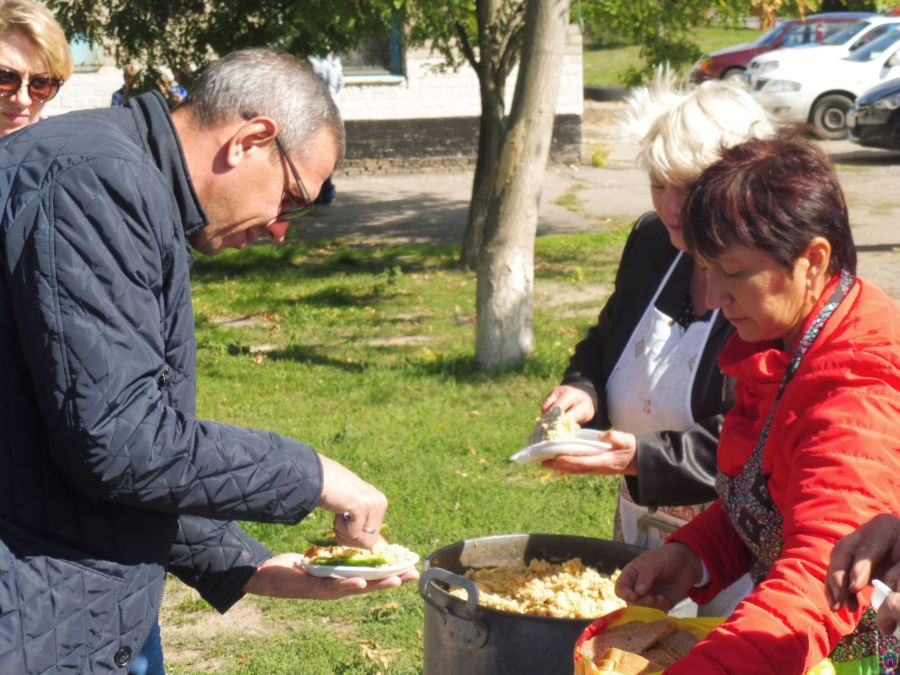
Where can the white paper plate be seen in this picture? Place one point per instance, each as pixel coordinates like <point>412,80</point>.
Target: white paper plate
<point>582,443</point>
<point>367,573</point>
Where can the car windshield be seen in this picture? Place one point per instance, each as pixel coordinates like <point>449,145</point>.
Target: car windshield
<point>844,36</point>
<point>874,48</point>
<point>769,37</point>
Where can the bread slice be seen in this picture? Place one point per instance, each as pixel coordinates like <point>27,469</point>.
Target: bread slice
<point>661,655</point>
<point>679,642</point>
<point>622,662</point>
<point>634,636</point>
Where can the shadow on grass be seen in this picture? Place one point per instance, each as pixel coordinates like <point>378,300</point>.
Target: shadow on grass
<point>302,354</point>
<point>464,369</point>
<point>337,297</point>
<point>310,260</point>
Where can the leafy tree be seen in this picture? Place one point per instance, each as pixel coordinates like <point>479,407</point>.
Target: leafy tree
<point>858,5</point>
<point>664,29</point>
<point>661,28</point>
<point>184,35</point>
<point>488,35</point>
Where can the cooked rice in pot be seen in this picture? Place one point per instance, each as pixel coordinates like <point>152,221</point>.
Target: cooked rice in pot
<point>569,590</point>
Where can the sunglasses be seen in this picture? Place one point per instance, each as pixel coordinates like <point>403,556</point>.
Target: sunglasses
<point>292,209</point>
<point>40,88</point>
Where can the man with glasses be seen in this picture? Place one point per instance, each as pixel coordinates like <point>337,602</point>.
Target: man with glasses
<point>109,479</point>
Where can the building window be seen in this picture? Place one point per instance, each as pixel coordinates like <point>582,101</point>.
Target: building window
<point>86,56</point>
<point>376,57</point>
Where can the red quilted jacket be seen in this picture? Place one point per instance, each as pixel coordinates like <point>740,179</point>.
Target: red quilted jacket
<point>833,462</point>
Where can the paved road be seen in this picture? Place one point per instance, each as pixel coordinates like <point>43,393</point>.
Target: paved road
<point>427,207</point>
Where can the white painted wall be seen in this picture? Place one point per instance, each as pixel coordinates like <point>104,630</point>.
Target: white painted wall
<point>86,90</point>
<point>422,93</point>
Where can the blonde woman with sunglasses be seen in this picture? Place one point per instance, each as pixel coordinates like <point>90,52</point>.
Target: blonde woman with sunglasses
<point>35,60</point>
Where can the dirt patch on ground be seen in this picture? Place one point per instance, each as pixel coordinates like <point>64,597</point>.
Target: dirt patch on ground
<point>555,294</point>
<point>188,624</point>
<point>401,341</point>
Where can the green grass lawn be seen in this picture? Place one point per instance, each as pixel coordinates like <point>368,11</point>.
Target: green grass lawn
<point>366,353</point>
<point>606,66</point>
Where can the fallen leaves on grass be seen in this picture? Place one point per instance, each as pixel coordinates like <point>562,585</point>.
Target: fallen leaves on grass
<point>383,611</point>
<point>373,652</point>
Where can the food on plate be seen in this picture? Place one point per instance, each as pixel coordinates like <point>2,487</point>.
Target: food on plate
<point>552,425</point>
<point>658,643</point>
<point>567,590</point>
<point>382,554</point>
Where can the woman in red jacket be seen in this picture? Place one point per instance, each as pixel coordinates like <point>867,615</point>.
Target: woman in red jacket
<point>811,448</point>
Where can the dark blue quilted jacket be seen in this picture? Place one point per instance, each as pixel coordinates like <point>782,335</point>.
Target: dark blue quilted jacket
<point>107,478</point>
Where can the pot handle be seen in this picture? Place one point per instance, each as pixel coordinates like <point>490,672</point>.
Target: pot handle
<point>475,634</point>
<point>666,527</point>
<point>439,574</point>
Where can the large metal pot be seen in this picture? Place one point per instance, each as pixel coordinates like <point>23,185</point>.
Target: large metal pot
<point>464,638</point>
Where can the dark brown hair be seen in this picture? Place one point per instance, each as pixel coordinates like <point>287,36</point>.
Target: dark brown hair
<point>774,195</point>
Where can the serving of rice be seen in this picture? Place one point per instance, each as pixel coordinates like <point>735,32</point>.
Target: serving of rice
<point>393,554</point>
<point>569,590</point>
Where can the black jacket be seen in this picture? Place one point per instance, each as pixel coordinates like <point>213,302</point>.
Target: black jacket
<point>108,479</point>
<point>673,468</point>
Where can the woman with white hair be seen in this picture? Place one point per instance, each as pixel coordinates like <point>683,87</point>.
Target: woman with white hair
<point>646,373</point>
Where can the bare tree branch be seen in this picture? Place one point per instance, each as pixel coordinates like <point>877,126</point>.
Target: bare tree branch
<point>466,45</point>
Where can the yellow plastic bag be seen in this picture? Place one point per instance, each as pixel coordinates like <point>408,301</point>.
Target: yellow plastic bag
<point>699,627</point>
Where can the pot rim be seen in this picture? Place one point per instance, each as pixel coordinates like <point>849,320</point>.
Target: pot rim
<point>574,538</point>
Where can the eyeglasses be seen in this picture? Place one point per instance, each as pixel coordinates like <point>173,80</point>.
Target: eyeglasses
<point>41,87</point>
<point>292,208</point>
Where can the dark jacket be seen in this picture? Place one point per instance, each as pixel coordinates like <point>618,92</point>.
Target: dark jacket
<point>673,468</point>
<point>108,479</point>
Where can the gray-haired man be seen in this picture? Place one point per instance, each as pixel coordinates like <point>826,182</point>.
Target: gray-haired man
<point>109,479</point>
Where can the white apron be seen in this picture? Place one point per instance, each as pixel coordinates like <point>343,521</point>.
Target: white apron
<point>649,391</point>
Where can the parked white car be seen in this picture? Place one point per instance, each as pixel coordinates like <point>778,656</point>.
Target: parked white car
<point>822,95</point>
<point>833,48</point>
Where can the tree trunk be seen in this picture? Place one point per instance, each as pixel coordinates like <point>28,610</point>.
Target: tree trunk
<point>504,329</point>
<point>490,136</point>
<point>492,85</point>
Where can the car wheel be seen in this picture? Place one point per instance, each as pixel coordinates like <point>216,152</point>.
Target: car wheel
<point>829,116</point>
<point>735,75</point>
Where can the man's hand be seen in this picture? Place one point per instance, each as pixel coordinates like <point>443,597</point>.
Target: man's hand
<point>282,577</point>
<point>872,551</point>
<point>660,578</point>
<point>570,400</point>
<point>618,460</point>
<point>358,507</point>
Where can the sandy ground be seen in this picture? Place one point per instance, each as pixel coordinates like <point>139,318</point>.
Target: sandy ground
<point>433,206</point>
